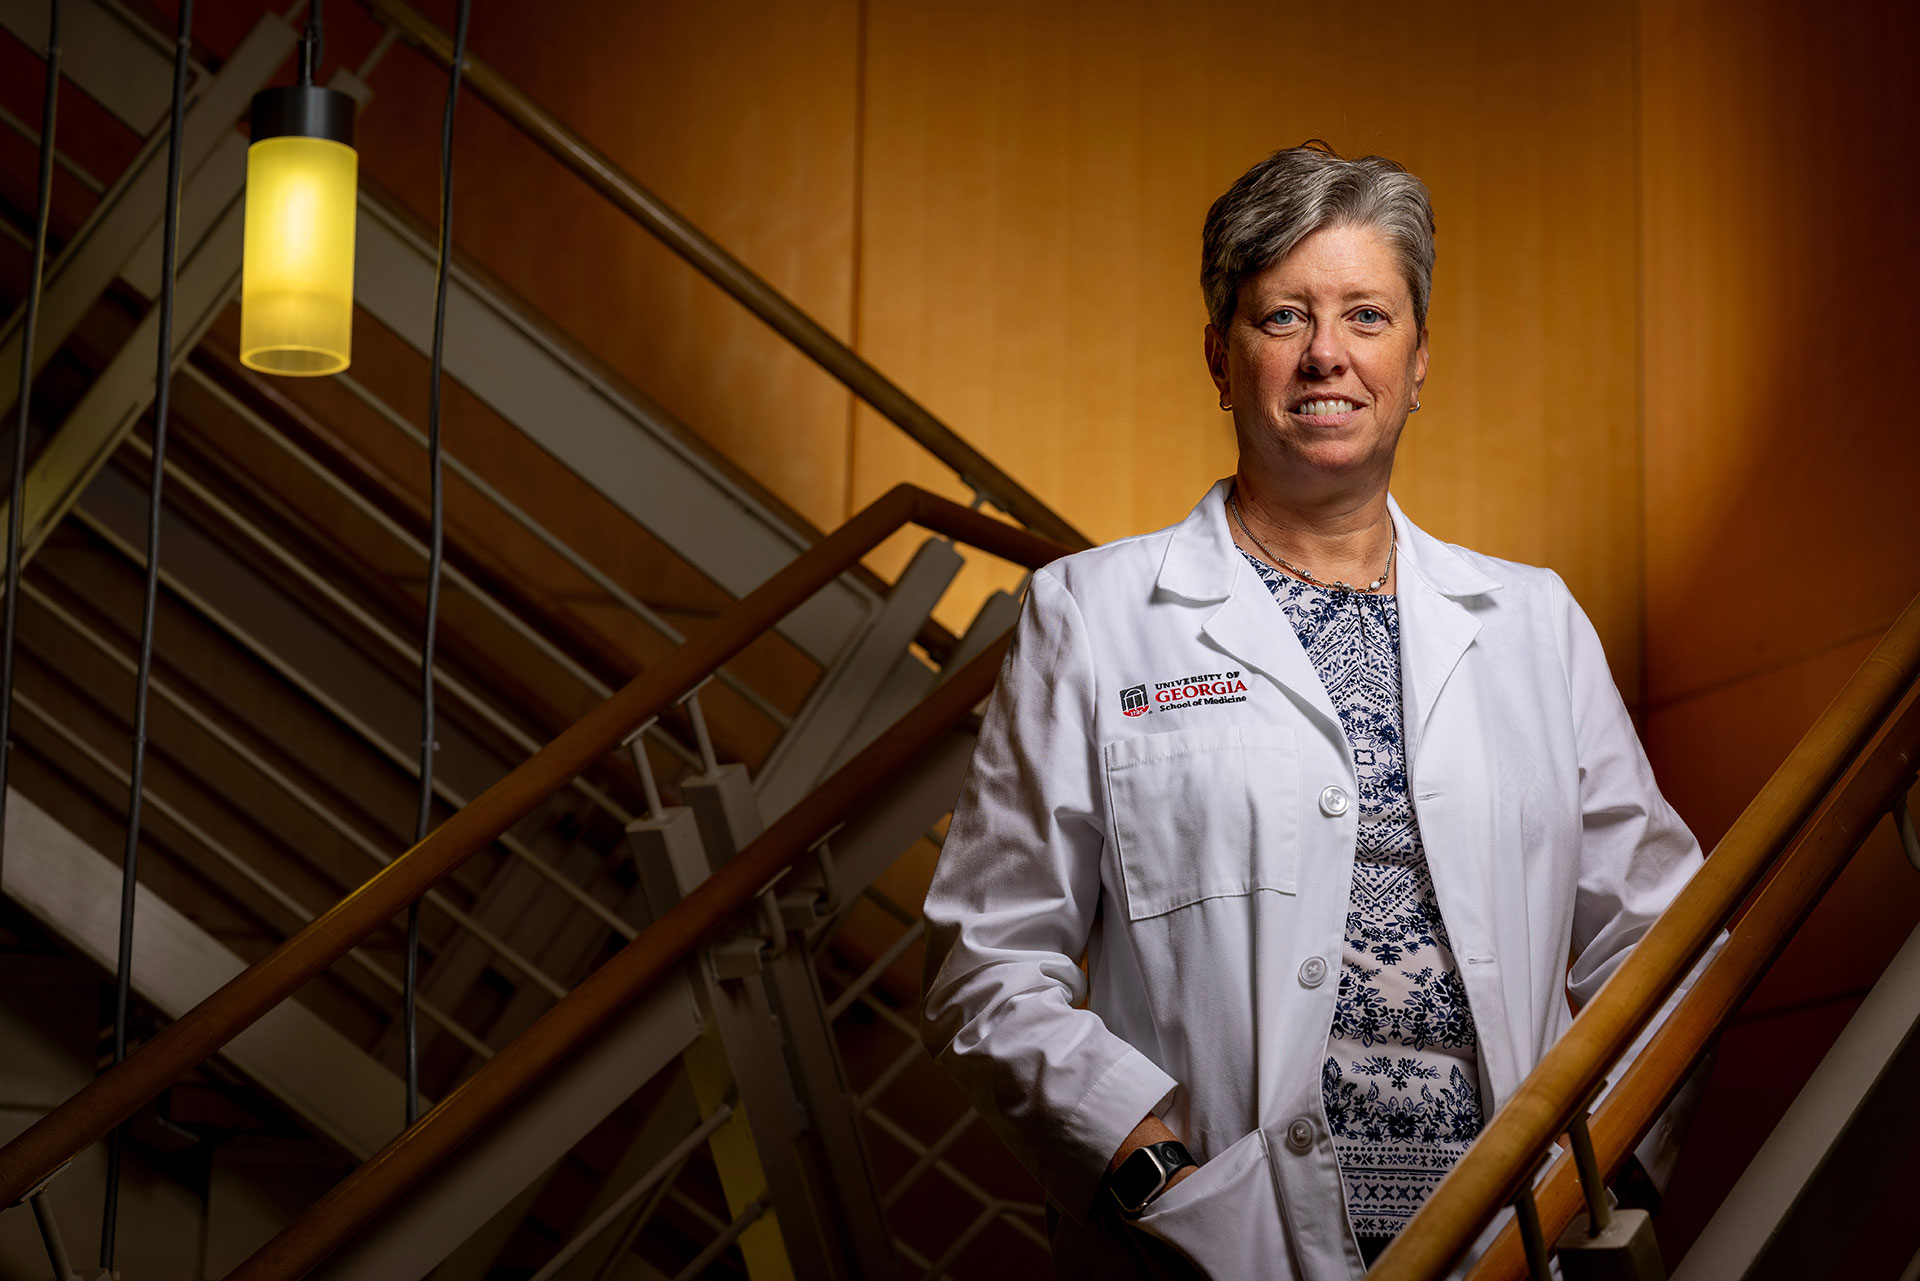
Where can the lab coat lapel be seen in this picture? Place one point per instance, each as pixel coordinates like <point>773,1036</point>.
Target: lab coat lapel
<point>1250,625</point>
<point>1202,564</point>
<point>1436,624</point>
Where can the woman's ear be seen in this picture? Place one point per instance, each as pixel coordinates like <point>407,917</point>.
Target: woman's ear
<point>1216,349</point>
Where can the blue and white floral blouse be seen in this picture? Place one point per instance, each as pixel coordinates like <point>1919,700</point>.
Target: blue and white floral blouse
<point>1401,1080</point>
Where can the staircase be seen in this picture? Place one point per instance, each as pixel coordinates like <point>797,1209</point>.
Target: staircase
<point>284,742</point>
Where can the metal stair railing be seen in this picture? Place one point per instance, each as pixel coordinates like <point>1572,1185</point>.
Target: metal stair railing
<point>552,542</point>
<point>226,857</point>
<point>307,801</point>
<point>783,317</point>
<point>645,208</point>
<point>42,1149</point>
<point>611,429</point>
<point>1850,769</point>
<point>1024,1218</point>
<point>229,863</point>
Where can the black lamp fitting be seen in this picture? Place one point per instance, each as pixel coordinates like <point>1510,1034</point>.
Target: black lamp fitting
<point>303,111</point>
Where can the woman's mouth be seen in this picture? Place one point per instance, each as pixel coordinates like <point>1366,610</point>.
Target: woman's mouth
<point>1326,409</point>
<point>1318,408</point>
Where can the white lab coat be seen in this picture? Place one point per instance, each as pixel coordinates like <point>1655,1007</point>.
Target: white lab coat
<point>1188,852</point>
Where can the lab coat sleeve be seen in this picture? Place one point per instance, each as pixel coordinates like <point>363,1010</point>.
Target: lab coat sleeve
<point>1635,855</point>
<point>1008,913</point>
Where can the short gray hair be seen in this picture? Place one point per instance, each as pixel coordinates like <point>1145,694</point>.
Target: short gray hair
<point>1292,194</point>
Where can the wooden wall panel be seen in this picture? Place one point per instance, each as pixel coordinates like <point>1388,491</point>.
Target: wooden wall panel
<point>1780,275</point>
<point>1034,180</point>
<point>740,115</point>
<point>1779,270</point>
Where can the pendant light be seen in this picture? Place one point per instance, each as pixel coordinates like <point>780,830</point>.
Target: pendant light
<point>296,291</point>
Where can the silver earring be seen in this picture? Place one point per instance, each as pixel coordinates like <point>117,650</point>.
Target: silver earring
<point>1226,404</point>
<point>1416,407</point>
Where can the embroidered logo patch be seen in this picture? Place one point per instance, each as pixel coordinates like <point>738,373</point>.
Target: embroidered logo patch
<point>1201,690</point>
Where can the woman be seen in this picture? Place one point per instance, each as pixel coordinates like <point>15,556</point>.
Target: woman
<point>1326,803</point>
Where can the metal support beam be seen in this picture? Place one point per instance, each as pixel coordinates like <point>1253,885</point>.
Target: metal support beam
<point>671,859</point>
<point>316,1072</point>
<point>133,79</point>
<point>422,1228</point>
<point>750,1034</point>
<point>119,60</point>
<point>125,389</point>
<point>912,678</point>
<point>624,446</point>
<point>806,751</point>
<point>874,839</point>
<point>671,1134</point>
<point>723,804</point>
<point>729,820</point>
<point>825,1094</point>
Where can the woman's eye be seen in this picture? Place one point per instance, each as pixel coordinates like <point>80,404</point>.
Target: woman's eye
<point>1369,315</point>
<point>1284,316</point>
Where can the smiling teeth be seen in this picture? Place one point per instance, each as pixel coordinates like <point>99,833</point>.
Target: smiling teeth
<point>1315,407</point>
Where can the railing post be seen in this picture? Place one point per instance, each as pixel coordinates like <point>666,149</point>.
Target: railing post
<point>1539,1268</point>
<point>50,1234</point>
<point>1592,1186</point>
<point>1605,1243</point>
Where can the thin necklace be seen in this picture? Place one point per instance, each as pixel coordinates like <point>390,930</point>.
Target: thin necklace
<point>1296,571</point>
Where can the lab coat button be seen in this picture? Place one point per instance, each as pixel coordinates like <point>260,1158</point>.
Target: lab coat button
<point>1300,1135</point>
<point>1333,802</point>
<point>1313,971</point>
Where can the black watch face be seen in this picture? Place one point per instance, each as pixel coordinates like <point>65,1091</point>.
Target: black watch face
<point>1142,1174</point>
<point>1136,1179</point>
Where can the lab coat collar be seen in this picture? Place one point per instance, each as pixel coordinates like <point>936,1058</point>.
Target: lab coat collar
<point>1201,562</point>
<point>1436,586</point>
<point>1435,583</point>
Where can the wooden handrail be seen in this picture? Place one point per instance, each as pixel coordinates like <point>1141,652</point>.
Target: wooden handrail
<point>707,257</point>
<point>1510,1148</point>
<point>334,1219</point>
<point>1649,1083</point>
<point>121,1091</point>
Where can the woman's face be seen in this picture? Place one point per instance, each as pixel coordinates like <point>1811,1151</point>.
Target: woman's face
<point>1322,363</point>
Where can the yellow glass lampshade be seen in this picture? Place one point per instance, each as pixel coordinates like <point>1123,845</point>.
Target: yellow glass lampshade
<point>296,290</point>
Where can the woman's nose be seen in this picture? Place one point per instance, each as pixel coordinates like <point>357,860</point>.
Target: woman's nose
<point>1324,356</point>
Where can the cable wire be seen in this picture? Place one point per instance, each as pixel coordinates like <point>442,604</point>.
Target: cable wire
<point>437,521</point>
<point>313,44</point>
<point>36,276</point>
<point>163,384</point>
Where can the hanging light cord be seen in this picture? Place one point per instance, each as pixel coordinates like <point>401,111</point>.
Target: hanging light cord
<point>36,275</point>
<point>436,535</point>
<point>313,44</point>
<point>163,381</point>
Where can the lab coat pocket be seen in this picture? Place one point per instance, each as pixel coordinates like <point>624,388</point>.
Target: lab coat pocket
<point>1204,813</point>
<point>1223,1219</point>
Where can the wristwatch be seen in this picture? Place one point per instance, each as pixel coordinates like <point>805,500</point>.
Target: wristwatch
<point>1145,1173</point>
